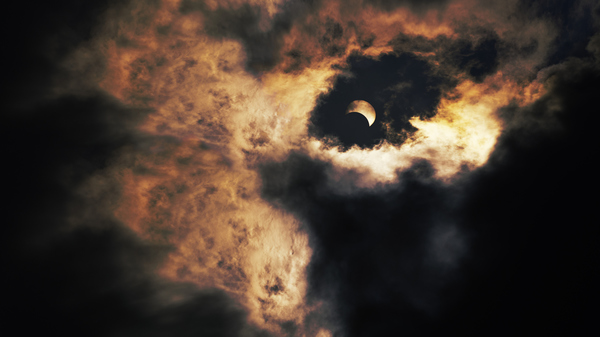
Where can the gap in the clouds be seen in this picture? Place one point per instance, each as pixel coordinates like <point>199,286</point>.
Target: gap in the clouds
<point>397,86</point>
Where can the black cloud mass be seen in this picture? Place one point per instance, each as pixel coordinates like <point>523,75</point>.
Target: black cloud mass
<point>390,258</point>
<point>69,267</point>
<point>510,248</point>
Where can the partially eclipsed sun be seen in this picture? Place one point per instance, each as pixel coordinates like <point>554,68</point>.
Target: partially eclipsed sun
<point>363,108</point>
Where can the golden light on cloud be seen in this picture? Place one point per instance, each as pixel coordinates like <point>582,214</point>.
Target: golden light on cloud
<point>463,132</point>
<point>198,188</point>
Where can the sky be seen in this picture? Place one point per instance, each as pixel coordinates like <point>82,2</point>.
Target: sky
<point>189,168</point>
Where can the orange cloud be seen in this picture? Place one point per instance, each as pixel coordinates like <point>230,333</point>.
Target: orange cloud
<point>196,185</point>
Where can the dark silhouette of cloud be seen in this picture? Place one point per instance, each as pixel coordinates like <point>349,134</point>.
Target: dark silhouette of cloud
<point>508,247</point>
<point>262,46</point>
<point>70,267</point>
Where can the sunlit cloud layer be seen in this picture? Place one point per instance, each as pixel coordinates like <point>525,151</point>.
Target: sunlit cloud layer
<point>232,85</point>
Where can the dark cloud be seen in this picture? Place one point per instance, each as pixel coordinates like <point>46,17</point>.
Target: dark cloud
<point>331,41</point>
<point>478,60</point>
<point>477,56</point>
<point>40,35</point>
<point>382,256</point>
<point>403,43</point>
<point>509,247</point>
<point>101,283</point>
<point>572,19</point>
<point>416,5</point>
<point>528,209</point>
<point>263,46</point>
<point>70,267</point>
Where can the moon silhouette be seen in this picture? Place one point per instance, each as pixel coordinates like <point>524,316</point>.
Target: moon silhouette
<point>363,108</point>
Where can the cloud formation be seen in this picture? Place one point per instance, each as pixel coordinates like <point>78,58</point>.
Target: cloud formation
<point>177,179</point>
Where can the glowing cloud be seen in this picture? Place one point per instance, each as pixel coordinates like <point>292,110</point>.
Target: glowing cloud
<point>221,109</point>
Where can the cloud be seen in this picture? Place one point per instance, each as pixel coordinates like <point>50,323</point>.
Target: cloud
<point>367,233</point>
<point>421,251</point>
<point>71,266</point>
<point>169,175</point>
